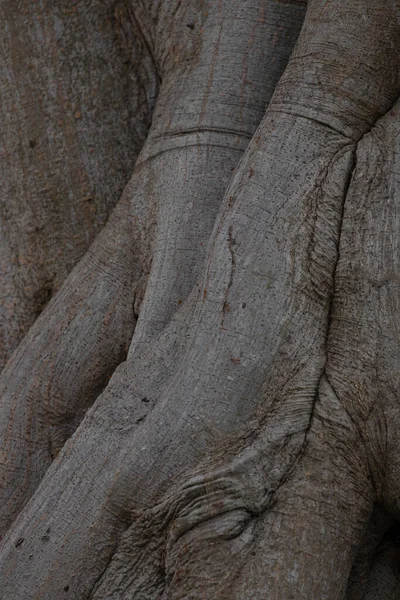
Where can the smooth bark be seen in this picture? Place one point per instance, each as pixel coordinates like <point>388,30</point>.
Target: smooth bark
<point>243,448</point>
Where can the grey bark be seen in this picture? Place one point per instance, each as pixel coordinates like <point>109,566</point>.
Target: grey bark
<point>244,446</point>
<point>77,90</point>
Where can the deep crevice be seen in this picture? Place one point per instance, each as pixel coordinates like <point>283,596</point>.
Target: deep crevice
<point>329,318</point>
<point>100,577</point>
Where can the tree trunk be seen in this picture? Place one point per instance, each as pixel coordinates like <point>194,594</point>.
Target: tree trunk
<point>246,447</point>
<point>78,88</point>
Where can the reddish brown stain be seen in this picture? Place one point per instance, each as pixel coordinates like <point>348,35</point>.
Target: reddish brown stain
<point>226,308</point>
<point>178,574</point>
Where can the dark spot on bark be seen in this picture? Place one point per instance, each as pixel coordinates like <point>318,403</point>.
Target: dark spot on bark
<point>190,25</point>
<point>19,542</point>
<point>48,530</point>
<point>32,143</point>
<point>140,419</point>
<point>45,538</point>
<point>244,305</point>
<point>145,399</point>
<point>66,588</point>
<point>394,534</point>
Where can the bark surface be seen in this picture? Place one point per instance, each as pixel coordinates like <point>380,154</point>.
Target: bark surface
<point>246,447</point>
<point>78,87</point>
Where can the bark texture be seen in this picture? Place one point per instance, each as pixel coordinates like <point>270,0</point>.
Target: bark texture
<point>246,447</point>
<point>78,86</point>
<point>189,154</point>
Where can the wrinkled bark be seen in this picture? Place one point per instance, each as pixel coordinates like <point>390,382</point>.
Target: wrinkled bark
<point>166,230</point>
<point>246,447</point>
